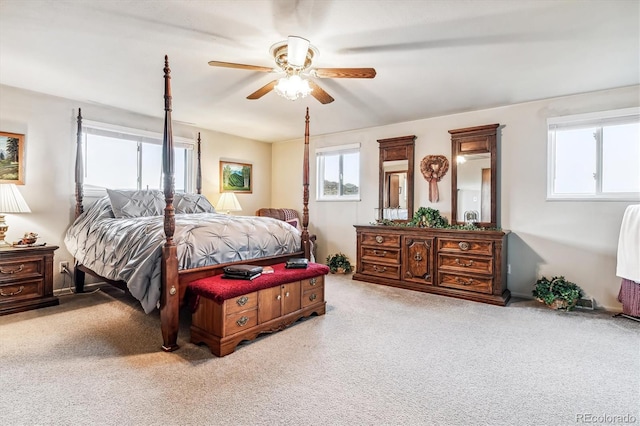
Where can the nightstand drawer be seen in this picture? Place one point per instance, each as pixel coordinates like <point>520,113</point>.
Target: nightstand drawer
<point>25,289</point>
<point>16,269</point>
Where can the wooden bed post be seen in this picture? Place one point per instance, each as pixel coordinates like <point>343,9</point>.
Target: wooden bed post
<point>306,244</point>
<point>170,291</point>
<point>199,170</point>
<point>78,275</point>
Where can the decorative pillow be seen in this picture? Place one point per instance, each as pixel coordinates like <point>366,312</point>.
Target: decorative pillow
<point>192,203</point>
<point>295,223</point>
<point>132,203</point>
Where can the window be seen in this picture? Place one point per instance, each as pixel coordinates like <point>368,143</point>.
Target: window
<point>117,157</point>
<point>594,156</point>
<point>338,169</point>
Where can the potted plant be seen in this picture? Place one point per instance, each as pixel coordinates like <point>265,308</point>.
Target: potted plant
<point>557,293</point>
<point>339,263</point>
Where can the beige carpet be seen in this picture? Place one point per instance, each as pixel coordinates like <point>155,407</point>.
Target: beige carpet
<point>379,356</point>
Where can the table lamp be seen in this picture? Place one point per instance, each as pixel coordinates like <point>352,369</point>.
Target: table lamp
<point>11,201</point>
<point>228,202</point>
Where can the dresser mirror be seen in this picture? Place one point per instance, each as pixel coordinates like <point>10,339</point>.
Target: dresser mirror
<point>474,175</point>
<point>395,196</point>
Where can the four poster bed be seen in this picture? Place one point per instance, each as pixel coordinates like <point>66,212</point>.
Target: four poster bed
<point>154,247</point>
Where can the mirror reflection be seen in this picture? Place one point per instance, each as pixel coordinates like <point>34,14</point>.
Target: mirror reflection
<point>395,190</point>
<point>395,184</point>
<point>474,175</point>
<point>474,188</point>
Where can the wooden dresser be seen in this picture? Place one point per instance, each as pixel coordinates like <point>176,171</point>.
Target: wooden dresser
<point>464,264</point>
<point>26,278</point>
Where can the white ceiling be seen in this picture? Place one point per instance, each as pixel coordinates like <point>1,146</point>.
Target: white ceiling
<point>432,57</point>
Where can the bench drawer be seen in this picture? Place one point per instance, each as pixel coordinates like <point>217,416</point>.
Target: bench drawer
<point>240,321</point>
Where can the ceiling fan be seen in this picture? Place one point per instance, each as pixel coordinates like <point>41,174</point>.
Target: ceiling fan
<point>294,57</point>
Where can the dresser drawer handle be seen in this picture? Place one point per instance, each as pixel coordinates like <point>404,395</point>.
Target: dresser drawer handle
<point>242,321</point>
<point>379,239</point>
<point>242,301</point>
<point>417,257</point>
<point>464,246</point>
<point>313,281</point>
<point>382,253</point>
<point>377,269</point>
<point>12,271</point>
<point>2,293</point>
<point>464,264</point>
<point>312,297</point>
<point>464,282</point>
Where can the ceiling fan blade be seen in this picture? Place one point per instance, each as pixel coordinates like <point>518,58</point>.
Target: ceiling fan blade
<point>319,93</point>
<point>263,90</point>
<point>344,72</point>
<point>240,66</point>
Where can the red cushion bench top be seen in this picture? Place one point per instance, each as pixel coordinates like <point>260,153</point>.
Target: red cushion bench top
<point>221,289</point>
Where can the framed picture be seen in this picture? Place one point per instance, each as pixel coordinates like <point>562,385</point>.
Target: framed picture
<point>11,158</point>
<point>235,177</point>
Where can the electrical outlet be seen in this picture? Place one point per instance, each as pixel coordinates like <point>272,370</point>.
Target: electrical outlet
<point>63,266</point>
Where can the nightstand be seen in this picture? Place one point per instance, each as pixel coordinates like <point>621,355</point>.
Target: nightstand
<point>26,278</point>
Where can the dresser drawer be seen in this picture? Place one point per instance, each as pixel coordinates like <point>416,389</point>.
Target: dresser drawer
<point>12,270</point>
<point>381,270</point>
<point>379,254</point>
<point>313,296</point>
<point>240,321</point>
<point>451,262</point>
<point>380,240</point>
<point>311,283</point>
<point>241,303</point>
<point>25,289</point>
<point>465,246</point>
<point>469,283</point>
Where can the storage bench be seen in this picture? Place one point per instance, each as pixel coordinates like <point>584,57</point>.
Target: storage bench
<point>228,311</point>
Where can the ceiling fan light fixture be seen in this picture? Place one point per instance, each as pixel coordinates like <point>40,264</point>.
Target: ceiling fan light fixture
<point>293,87</point>
<point>297,48</point>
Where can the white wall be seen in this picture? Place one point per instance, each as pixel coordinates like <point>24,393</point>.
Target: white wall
<point>49,125</point>
<point>571,238</point>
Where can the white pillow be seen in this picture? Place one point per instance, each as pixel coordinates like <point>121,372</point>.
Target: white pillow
<point>192,203</point>
<point>132,203</point>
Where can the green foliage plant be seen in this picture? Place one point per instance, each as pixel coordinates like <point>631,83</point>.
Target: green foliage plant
<point>339,261</point>
<point>427,217</point>
<point>557,292</point>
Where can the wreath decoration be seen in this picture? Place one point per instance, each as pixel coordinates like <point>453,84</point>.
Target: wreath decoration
<point>433,168</point>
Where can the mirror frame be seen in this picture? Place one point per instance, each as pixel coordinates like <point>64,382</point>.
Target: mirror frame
<point>392,149</point>
<point>474,140</point>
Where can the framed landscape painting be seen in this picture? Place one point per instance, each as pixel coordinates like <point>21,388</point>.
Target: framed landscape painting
<point>11,158</point>
<point>235,177</point>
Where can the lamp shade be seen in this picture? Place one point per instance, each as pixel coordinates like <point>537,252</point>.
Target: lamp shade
<point>11,200</point>
<point>228,202</point>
